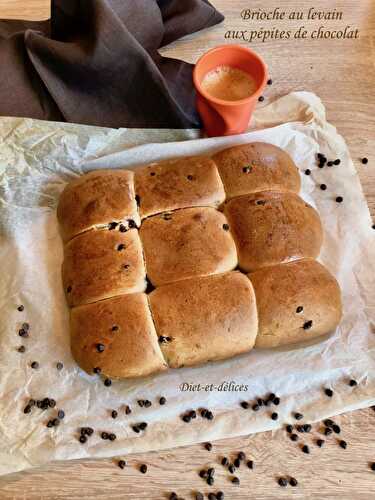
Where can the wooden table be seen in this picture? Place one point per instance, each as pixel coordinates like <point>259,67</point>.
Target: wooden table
<point>342,73</point>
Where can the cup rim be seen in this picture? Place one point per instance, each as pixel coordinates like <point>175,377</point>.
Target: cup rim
<point>222,101</point>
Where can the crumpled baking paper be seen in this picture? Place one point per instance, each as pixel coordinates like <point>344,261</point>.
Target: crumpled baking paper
<point>36,160</point>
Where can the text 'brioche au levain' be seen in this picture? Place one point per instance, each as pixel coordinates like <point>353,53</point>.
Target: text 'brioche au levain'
<point>192,260</point>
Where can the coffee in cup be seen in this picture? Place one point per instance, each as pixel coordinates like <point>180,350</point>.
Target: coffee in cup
<point>228,83</point>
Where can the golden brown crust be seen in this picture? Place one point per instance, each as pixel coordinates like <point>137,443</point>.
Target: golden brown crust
<point>124,326</point>
<point>97,199</point>
<point>283,290</point>
<point>257,166</point>
<point>179,183</point>
<point>187,243</point>
<point>207,319</point>
<point>270,228</point>
<point>102,264</point>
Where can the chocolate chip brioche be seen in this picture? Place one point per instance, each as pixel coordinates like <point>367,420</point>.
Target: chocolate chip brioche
<point>199,219</point>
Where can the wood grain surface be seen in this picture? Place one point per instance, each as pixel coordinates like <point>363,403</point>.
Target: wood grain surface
<point>342,73</point>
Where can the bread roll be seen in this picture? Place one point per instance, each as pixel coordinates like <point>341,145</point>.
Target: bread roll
<point>270,228</point>
<point>257,166</point>
<point>187,243</point>
<point>102,264</point>
<point>124,327</point>
<point>296,302</point>
<point>95,200</point>
<point>205,319</point>
<point>180,183</point>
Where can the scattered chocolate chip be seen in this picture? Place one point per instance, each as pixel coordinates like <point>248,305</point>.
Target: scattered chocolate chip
<point>364,161</point>
<point>60,414</point>
<point>250,464</point>
<point>162,401</point>
<point>353,383</point>
<point>320,442</point>
<point>237,463</point>
<point>294,437</point>
<point>323,187</point>
<point>241,455</point>
<point>226,227</point>
<point>114,328</point>
<point>173,496</point>
<point>211,471</point>
<point>305,449</point>
<point>261,98</point>
<point>112,436</point>
<point>209,415</point>
<point>224,461</point>
<point>343,444</point>
<point>328,422</point>
<point>49,424</point>
<point>131,224</point>
<point>372,466</point>
<point>336,429</point>
<point>328,431</point>
<point>121,464</point>
<point>190,178</point>
<point>59,366</point>
<point>298,416</point>
<point>307,171</point>
<point>186,418</point>
<point>208,446</point>
<point>282,482</point>
<point>339,199</point>
<point>147,403</point>
<point>247,169</point>
<point>97,370</point>
<point>193,414</point>
<point>269,82</point>
<point>143,468</point>
<point>328,392</point>
<point>107,382</point>
<point>244,405</point>
<point>82,438</point>
<point>122,228</point>
<point>289,428</point>
<point>329,163</point>
<point>152,174</point>
<point>274,416</point>
<point>307,325</point>
<point>112,225</point>
<point>260,401</point>
<point>293,481</point>
<point>20,308</point>
<point>306,428</point>
<point>203,474</point>
<point>337,162</point>
<point>164,340</point>
<point>35,365</point>
<point>143,426</point>
<point>255,407</point>
<point>69,289</point>
<point>219,495</point>
<point>127,410</point>
<point>198,496</point>
<point>235,480</point>
<point>136,429</point>
<point>56,422</point>
<point>27,409</point>
<point>23,333</point>
<point>276,401</point>
<point>231,468</point>
<point>21,348</point>
<point>114,414</point>
<point>100,347</point>
<point>120,247</point>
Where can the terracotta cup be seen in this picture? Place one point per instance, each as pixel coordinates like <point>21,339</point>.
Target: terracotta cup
<point>228,117</point>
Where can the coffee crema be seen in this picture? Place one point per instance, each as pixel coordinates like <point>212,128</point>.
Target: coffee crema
<point>228,83</point>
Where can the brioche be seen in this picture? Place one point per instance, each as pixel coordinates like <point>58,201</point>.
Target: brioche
<point>270,228</point>
<point>187,243</point>
<point>296,302</point>
<point>205,319</point>
<point>254,167</point>
<point>97,199</point>
<point>102,264</point>
<point>117,336</point>
<point>180,183</point>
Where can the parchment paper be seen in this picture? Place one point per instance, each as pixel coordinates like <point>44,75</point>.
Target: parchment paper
<point>36,160</point>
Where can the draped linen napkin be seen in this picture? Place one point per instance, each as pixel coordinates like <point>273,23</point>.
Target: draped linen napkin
<point>96,62</point>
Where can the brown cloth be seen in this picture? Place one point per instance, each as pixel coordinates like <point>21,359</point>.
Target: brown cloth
<point>96,62</point>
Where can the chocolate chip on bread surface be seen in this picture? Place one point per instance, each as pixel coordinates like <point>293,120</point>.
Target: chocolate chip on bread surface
<point>271,228</point>
<point>257,166</point>
<point>189,242</point>
<point>97,199</point>
<point>180,183</point>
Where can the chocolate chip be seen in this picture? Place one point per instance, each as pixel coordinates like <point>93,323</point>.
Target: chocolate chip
<point>289,428</point>
<point>59,366</point>
<point>35,365</point>
<point>241,455</point>
<point>237,463</point>
<point>307,325</point>
<point>328,392</point>
<point>328,422</point>
<point>336,429</point>
<point>320,442</point>
<point>282,482</point>
<point>120,247</point>
<point>293,481</point>
<point>244,405</point>
<point>127,410</point>
<point>247,169</point>
<point>210,480</point>
<point>198,496</point>
<point>226,227</point>
<point>339,199</point>
<point>190,178</point>
<point>209,415</point>
<point>328,431</point>
<point>299,309</point>
<point>21,348</point>
<point>337,162</point>
<point>122,228</point>
<point>56,422</point>
<point>49,424</point>
<point>298,416</point>
<point>276,401</point>
<point>330,164</point>
<point>260,401</point>
<point>137,199</point>
<point>152,174</point>
<point>173,496</point>
<point>141,402</point>
<point>305,449</point>
<point>372,466</point>
<point>69,289</point>
<point>211,471</point>
<point>203,412</point>
<point>23,333</point>
<point>32,402</point>
<point>60,414</point>
<point>274,416</point>
<point>143,468</point>
<point>269,82</point>
<point>107,382</point>
<point>307,171</point>
<point>114,328</point>
<point>112,436</point>
<point>193,414</point>
<point>306,428</point>
<point>131,224</point>
<point>261,98</point>
<point>25,326</point>
<point>114,414</point>
<point>27,409</point>
<point>112,225</point>
<point>364,161</point>
<point>163,339</point>
<point>353,383</point>
<point>343,444</point>
<point>100,347</point>
<point>186,418</point>
<point>20,308</point>
<point>235,480</point>
<point>147,403</point>
<point>250,464</point>
<point>224,461</point>
<point>162,401</point>
<point>255,407</point>
<point>231,468</point>
<point>89,431</point>
<point>203,474</point>
<point>323,187</point>
<point>136,429</point>
<point>294,437</point>
<point>208,446</point>
<point>142,426</point>
<point>219,495</point>
<point>121,464</point>
<point>82,439</point>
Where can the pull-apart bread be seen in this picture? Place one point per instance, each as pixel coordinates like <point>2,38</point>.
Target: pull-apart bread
<point>154,272</point>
